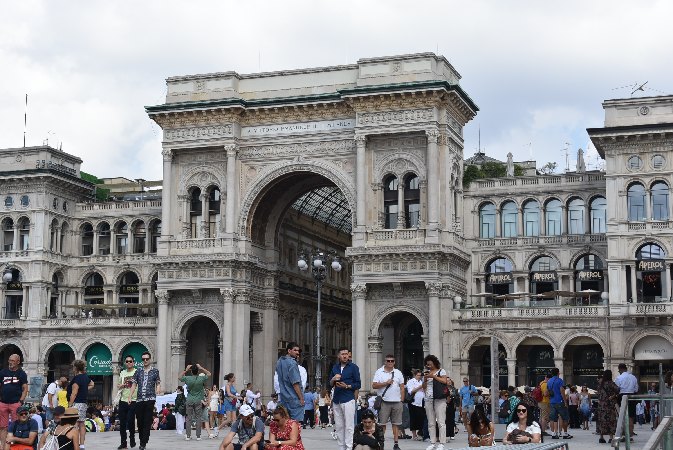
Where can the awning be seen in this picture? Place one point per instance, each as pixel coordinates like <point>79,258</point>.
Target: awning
<point>136,350</point>
<point>653,348</point>
<point>99,360</point>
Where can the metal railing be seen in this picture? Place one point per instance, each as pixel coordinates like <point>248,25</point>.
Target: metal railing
<point>663,436</point>
<point>550,446</point>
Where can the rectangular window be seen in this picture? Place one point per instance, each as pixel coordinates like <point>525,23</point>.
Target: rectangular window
<point>509,225</point>
<point>598,224</point>
<point>532,224</point>
<point>121,244</point>
<point>575,222</point>
<point>553,224</point>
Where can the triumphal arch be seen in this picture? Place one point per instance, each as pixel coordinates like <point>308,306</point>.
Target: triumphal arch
<point>361,160</point>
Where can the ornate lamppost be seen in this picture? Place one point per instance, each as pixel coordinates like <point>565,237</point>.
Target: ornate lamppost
<point>318,264</point>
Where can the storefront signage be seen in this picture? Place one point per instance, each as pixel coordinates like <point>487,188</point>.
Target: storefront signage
<point>544,277</point>
<point>94,290</point>
<point>589,275</point>
<point>44,164</point>
<point>653,348</point>
<point>99,360</point>
<point>589,371</point>
<point>499,278</point>
<point>14,286</point>
<point>296,128</point>
<point>650,265</point>
<point>135,350</point>
<point>128,289</point>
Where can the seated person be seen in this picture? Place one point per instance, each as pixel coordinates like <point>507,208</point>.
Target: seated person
<point>285,432</point>
<point>66,432</point>
<point>522,429</point>
<point>480,429</point>
<point>250,431</point>
<point>368,435</point>
<point>22,431</point>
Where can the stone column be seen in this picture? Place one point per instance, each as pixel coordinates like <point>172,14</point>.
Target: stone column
<point>667,286</point>
<point>166,194</point>
<point>434,325</point>
<point>115,377</point>
<point>587,219</point>
<point>498,224</point>
<point>564,220</point>
<point>113,241</point>
<point>374,360</point>
<point>270,338</point>
<point>558,362</point>
<point>511,371</point>
<point>15,242</point>
<point>360,180</point>
<point>228,329</point>
<point>25,302</point>
<point>95,242</point>
<point>401,216</point>
<point>57,241</point>
<point>432,164</point>
<point>241,337</point>
<point>205,231</point>
<point>148,238</point>
<point>543,222</point>
<point>359,294</point>
<point>129,240</point>
<point>163,337</point>
<point>183,204</point>
<point>634,288</point>
<point>230,207</point>
<point>177,363</point>
<point>520,224</point>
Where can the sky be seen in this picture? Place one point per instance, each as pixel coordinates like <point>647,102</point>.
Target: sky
<point>537,70</point>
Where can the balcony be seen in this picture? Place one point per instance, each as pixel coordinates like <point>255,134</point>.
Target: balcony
<point>650,309</point>
<point>97,322</point>
<point>388,237</point>
<point>115,206</point>
<point>537,240</point>
<point>532,313</point>
<point>558,181</point>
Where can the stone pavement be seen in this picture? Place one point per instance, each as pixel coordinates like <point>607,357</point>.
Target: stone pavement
<point>321,440</point>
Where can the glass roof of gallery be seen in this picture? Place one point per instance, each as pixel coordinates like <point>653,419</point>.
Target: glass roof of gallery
<point>327,205</point>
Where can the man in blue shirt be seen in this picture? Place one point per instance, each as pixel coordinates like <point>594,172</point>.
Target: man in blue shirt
<point>310,400</point>
<point>345,378</point>
<point>289,382</point>
<point>558,406</point>
<point>467,393</point>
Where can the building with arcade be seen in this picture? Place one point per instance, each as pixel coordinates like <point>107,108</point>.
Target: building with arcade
<point>364,162</point>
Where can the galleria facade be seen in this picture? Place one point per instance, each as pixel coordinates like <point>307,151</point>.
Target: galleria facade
<point>364,161</point>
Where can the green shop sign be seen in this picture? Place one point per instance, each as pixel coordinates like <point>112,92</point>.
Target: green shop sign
<point>99,360</point>
<point>136,350</point>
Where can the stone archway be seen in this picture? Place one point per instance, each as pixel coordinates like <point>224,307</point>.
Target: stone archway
<point>400,333</point>
<point>203,346</point>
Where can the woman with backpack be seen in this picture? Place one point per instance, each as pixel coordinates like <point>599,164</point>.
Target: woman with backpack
<point>65,436</point>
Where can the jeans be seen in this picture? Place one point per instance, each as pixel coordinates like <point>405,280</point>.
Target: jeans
<point>194,414</point>
<point>127,420</point>
<point>295,409</point>
<point>436,413</point>
<point>144,412</point>
<point>309,418</point>
<point>344,423</point>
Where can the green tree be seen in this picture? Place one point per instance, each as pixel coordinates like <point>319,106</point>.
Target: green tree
<point>102,194</point>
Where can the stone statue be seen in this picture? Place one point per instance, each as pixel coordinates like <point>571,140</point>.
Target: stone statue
<point>581,168</point>
<point>510,165</point>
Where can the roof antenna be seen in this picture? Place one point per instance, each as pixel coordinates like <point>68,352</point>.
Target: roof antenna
<point>25,122</point>
<point>479,148</point>
<point>259,60</point>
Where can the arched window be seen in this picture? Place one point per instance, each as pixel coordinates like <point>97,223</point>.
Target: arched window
<point>510,216</point>
<point>122,237</point>
<point>129,293</point>
<point>24,233</point>
<point>543,276</point>
<point>531,218</point>
<point>94,293</point>
<point>650,251</point>
<point>214,203</point>
<point>194,211</point>
<point>87,239</point>
<point>576,216</point>
<point>7,234</point>
<point>412,200</point>
<point>552,213</point>
<point>598,215</point>
<point>635,199</point>
<point>53,235</point>
<point>155,229</point>
<point>104,238</point>
<point>139,236</point>
<point>487,221</point>
<point>64,233</point>
<point>651,285</point>
<point>499,277</point>
<point>659,192</point>
<point>589,277</point>
<point>390,206</point>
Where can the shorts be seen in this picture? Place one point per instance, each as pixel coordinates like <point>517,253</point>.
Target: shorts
<point>260,445</point>
<point>81,409</point>
<point>7,410</point>
<point>390,411</point>
<point>631,406</point>
<point>544,411</point>
<point>469,409</point>
<point>48,413</point>
<point>558,409</point>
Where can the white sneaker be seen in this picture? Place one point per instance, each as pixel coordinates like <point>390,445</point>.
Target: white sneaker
<point>431,446</point>
<point>452,438</point>
<point>211,436</point>
<point>198,438</point>
<point>187,438</point>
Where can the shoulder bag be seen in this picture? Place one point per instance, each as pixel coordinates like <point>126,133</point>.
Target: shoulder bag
<point>439,390</point>
<point>378,401</point>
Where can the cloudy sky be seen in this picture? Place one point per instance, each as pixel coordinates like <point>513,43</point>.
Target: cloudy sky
<point>538,70</point>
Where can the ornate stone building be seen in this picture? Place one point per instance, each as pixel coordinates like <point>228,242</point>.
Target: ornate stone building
<point>364,161</point>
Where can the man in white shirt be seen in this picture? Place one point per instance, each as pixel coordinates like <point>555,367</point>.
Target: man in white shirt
<point>628,384</point>
<point>50,399</point>
<point>389,384</point>
<point>252,397</point>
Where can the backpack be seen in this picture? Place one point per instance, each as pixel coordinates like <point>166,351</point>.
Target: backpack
<point>504,410</point>
<point>247,436</point>
<point>537,393</point>
<point>52,441</point>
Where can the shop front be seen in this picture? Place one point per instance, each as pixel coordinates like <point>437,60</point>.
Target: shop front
<point>649,353</point>
<point>99,368</point>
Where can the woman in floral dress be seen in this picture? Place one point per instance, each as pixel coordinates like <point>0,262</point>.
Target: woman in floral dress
<point>285,433</point>
<point>606,413</point>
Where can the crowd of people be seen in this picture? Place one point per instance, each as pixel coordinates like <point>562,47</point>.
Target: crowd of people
<point>428,404</point>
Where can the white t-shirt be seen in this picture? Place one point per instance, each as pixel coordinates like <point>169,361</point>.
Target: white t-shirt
<point>412,384</point>
<point>251,398</point>
<point>428,386</point>
<point>393,394</point>
<point>51,389</point>
<point>40,425</point>
<point>271,405</point>
<point>627,382</point>
<point>534,428</point>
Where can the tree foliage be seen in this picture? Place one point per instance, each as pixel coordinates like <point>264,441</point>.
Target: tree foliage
<point>488,170</point>
<point>102,194</point>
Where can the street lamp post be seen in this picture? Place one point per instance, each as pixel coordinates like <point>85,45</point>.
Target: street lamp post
<point>319,261</point>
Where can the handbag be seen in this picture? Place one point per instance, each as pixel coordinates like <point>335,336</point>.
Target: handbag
<point>439,390</point>
<point>378,401</point>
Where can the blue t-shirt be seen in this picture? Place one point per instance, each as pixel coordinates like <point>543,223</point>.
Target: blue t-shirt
<point>82,380</point>
<point>309,398</point>
<point>288,375</point>
<point>466,395</point>
<point>12,385</point>
<point>554,386</point>
<point>23,429</point>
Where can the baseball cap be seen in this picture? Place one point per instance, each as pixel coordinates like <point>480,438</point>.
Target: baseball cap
<point>246,410</point>
<point>22,409</point>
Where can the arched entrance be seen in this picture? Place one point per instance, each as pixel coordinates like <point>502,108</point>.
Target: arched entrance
<point>98,359</point>
<point>402,336</point>
<point>59,362</point>
<point>479,366</point>
<point>648,353</point>
<point>203,346</point>
<point>583,361</point>
<point>8,350</point>
<point>534,359</point>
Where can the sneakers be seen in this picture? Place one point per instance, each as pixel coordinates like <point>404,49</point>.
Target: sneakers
<point>122,447</point>
<point>555,436</point>
<point>396,447</point>
<point>211,436</point>
<point>567,436</point>
<point>452,438</point>
<point>133,441</point>
<point>198,438</point>
<point>188,438</point>
<point>334,435</point>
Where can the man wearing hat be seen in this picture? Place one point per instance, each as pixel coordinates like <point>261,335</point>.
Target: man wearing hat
<point>250,431</point>
<point>24,430</point>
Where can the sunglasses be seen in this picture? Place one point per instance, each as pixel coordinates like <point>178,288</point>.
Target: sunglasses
<point>521,410</point>
<point>146,359</point>
<point>129,361</point>
<point>23,414</point>
<point>390,360</point>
